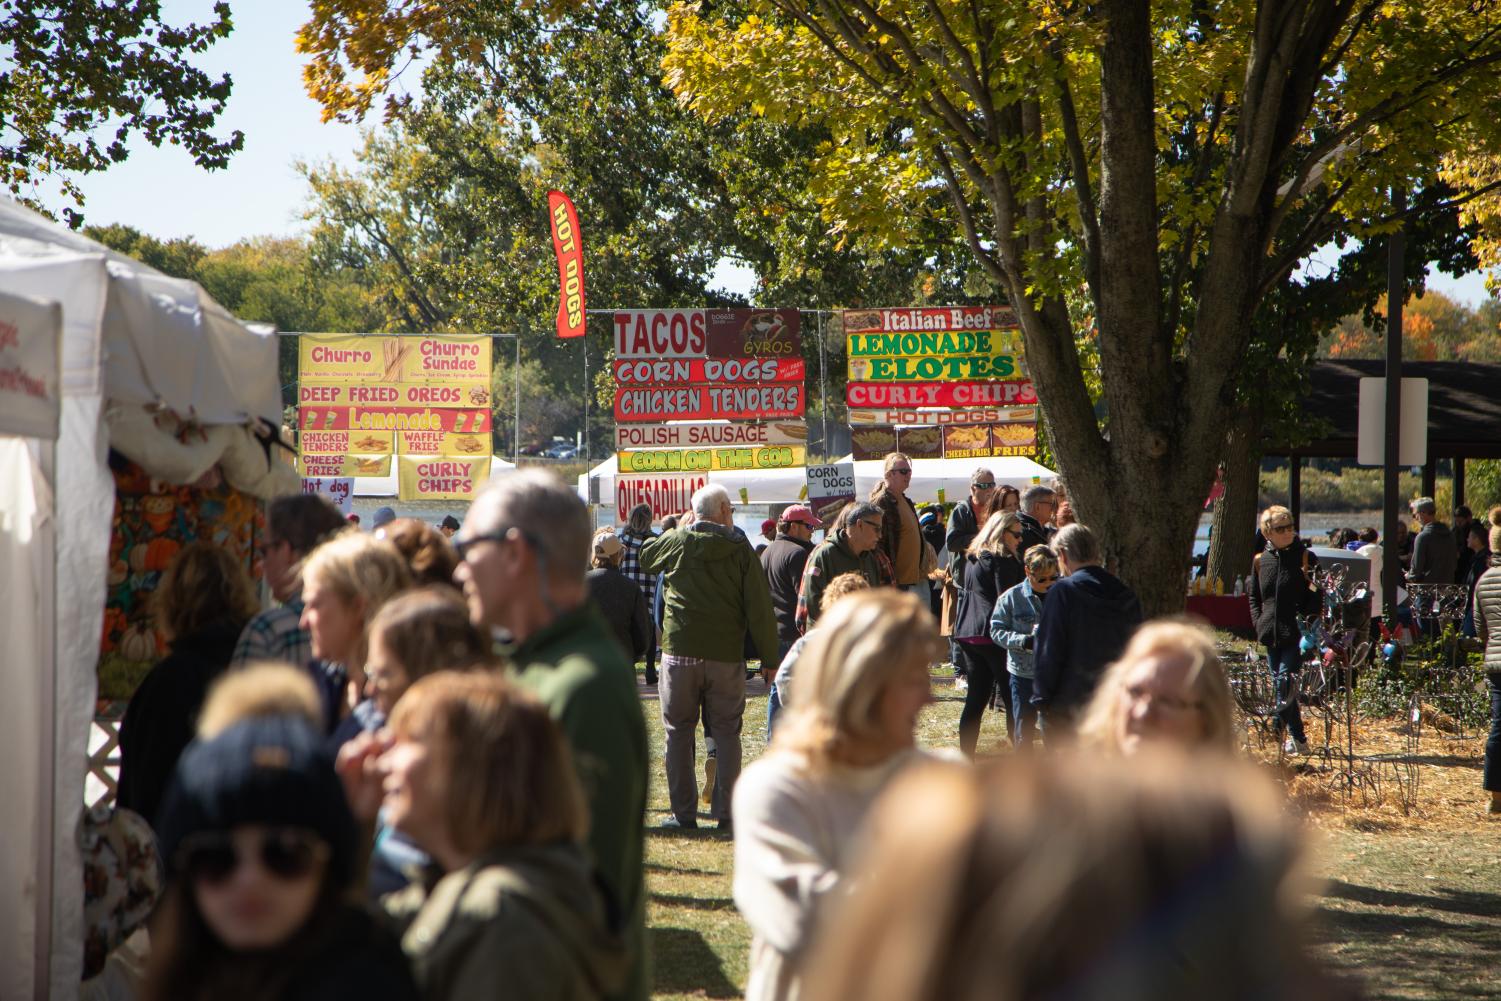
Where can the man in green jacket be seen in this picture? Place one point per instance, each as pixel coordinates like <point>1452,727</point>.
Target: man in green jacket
<point>851,549</point>
<point>524,550</point>
<point>715,593</point>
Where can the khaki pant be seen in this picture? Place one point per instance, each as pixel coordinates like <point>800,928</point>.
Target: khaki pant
<point>719,686</point>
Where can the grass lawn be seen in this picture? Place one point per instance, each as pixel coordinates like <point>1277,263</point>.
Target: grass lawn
<point>1411,903</point>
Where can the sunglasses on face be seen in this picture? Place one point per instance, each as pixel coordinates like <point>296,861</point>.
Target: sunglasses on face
<point>1283,528</point>
<point>984,486</point>
<point>287,853</point>
<point>1045,578</point>
<point>874,526</point>
<point>903,470</point>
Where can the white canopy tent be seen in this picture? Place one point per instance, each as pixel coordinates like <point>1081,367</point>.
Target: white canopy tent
<point>133,342</point>
<point>929,476</point>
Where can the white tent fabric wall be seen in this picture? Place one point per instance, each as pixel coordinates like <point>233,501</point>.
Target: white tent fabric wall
<point>167,343</point>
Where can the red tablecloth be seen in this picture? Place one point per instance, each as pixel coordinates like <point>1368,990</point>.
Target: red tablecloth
<point>1230,611</point>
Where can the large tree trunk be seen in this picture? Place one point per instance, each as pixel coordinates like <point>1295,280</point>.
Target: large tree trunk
<point>1233,536</point>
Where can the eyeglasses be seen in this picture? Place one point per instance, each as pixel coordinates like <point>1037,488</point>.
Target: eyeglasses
<point>285,852</point>
<point>1048,579</point>
<point>874,526</point>
<point>502,534</point>
<point>904,470</point>
<point>988,485</point>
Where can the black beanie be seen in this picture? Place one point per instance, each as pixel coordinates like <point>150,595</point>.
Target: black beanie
<point>272,771</point>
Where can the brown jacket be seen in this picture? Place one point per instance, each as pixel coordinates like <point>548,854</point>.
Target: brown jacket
<point>891,521</point>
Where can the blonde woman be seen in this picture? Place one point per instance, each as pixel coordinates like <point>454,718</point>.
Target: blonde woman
<point>1098,879</point>
<point>860,685</point>
<point>474,771</point>
<point>1169,687</point>
<point>991,567</point>
<point>1282,589</point>
<point>345,581</point>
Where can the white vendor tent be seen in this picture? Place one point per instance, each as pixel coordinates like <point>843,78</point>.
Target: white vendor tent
<point>951,476</point>
<point>760,486</point>
<point>140,353</point>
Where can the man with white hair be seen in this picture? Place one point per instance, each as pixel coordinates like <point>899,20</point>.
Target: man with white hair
<point>1087,619</point>
<point>1037,506</point>
<point>523,551</point>
<point>714,592</point>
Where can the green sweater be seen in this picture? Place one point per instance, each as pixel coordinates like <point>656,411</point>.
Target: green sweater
<point>716,593</point>
<point>576,668</point>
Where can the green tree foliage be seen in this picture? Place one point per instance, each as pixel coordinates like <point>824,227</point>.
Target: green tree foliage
<point>447,208</point>
<point>78,78</point>
<point>1148,172</point>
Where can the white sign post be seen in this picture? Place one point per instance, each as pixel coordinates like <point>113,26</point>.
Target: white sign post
<point>1370,449</point>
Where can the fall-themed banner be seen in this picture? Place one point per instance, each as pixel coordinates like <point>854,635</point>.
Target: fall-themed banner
<point>568,246</point>
<point>441,477</point>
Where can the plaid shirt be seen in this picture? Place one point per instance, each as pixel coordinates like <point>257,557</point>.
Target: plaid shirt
<point>630,564</point>
<point>275,635</point>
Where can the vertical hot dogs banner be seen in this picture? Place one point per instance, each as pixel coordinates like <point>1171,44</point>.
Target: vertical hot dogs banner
<point>679,373</point>
<point>945,382</point>
<point>366,402</point>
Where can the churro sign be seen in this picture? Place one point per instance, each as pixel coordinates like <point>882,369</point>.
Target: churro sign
<point>384,367</point>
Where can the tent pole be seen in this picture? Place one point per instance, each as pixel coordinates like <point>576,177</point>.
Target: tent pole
<point>823,387</point>
<point>46,864</point>
<point>1396,293</point>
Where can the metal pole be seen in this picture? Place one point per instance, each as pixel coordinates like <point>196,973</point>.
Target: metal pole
<point>1396,292</point>
<point>588,464</point>
<point>823,388</point>
<point>516,416</point>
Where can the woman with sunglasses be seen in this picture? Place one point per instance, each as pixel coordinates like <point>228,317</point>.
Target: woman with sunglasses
<point>1013,626</point>
<point>1282,588</point>
<point>261,854</point>
<point>991,568</point>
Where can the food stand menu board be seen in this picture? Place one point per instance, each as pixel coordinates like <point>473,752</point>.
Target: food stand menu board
<point>365,399</point>
<point>945,382</point>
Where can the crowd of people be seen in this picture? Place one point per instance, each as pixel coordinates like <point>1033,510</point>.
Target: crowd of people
<point>423,771</point>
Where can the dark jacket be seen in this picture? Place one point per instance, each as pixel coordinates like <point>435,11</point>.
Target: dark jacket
<point>1086,621</point>
<point>963,527</point>
<point>716,591</point>
<point>623,606</point>
<point>1280,592</point>
<point>783,563</point>
<point>1033,533</point>
<point>523,923</point>
<point>1434,555</point>
<point>575,667</point>
<point>987,576</point>
<point>163,715</point>
<point>831,558</point>
<point>891,521</point>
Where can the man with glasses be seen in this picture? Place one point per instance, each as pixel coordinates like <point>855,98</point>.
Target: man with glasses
<point>524,551</point>
<point>1038,505</point>
<point>901,532</point>
<point>849,548</point>
<point>295,526</point>
<point>716,592</point>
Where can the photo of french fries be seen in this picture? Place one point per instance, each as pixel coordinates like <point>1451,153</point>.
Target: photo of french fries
<point>1014,434</point>
<point>966,437</point>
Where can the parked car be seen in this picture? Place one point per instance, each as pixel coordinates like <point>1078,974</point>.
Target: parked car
<point>562,450</point>
<point>535,448</point>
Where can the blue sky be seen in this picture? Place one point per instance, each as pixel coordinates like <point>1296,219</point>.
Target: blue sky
<point>162,192</point>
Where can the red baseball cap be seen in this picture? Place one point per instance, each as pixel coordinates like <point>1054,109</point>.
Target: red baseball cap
<point>802,513</point>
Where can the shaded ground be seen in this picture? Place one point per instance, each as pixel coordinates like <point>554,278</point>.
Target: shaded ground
<point>1411,901</point>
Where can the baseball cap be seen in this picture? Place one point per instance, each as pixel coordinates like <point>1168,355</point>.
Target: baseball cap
<point>449,521</point>
<point>802,513</point>
<point>382,516</point>
<point>607,544</point>
<point>768,525</point>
